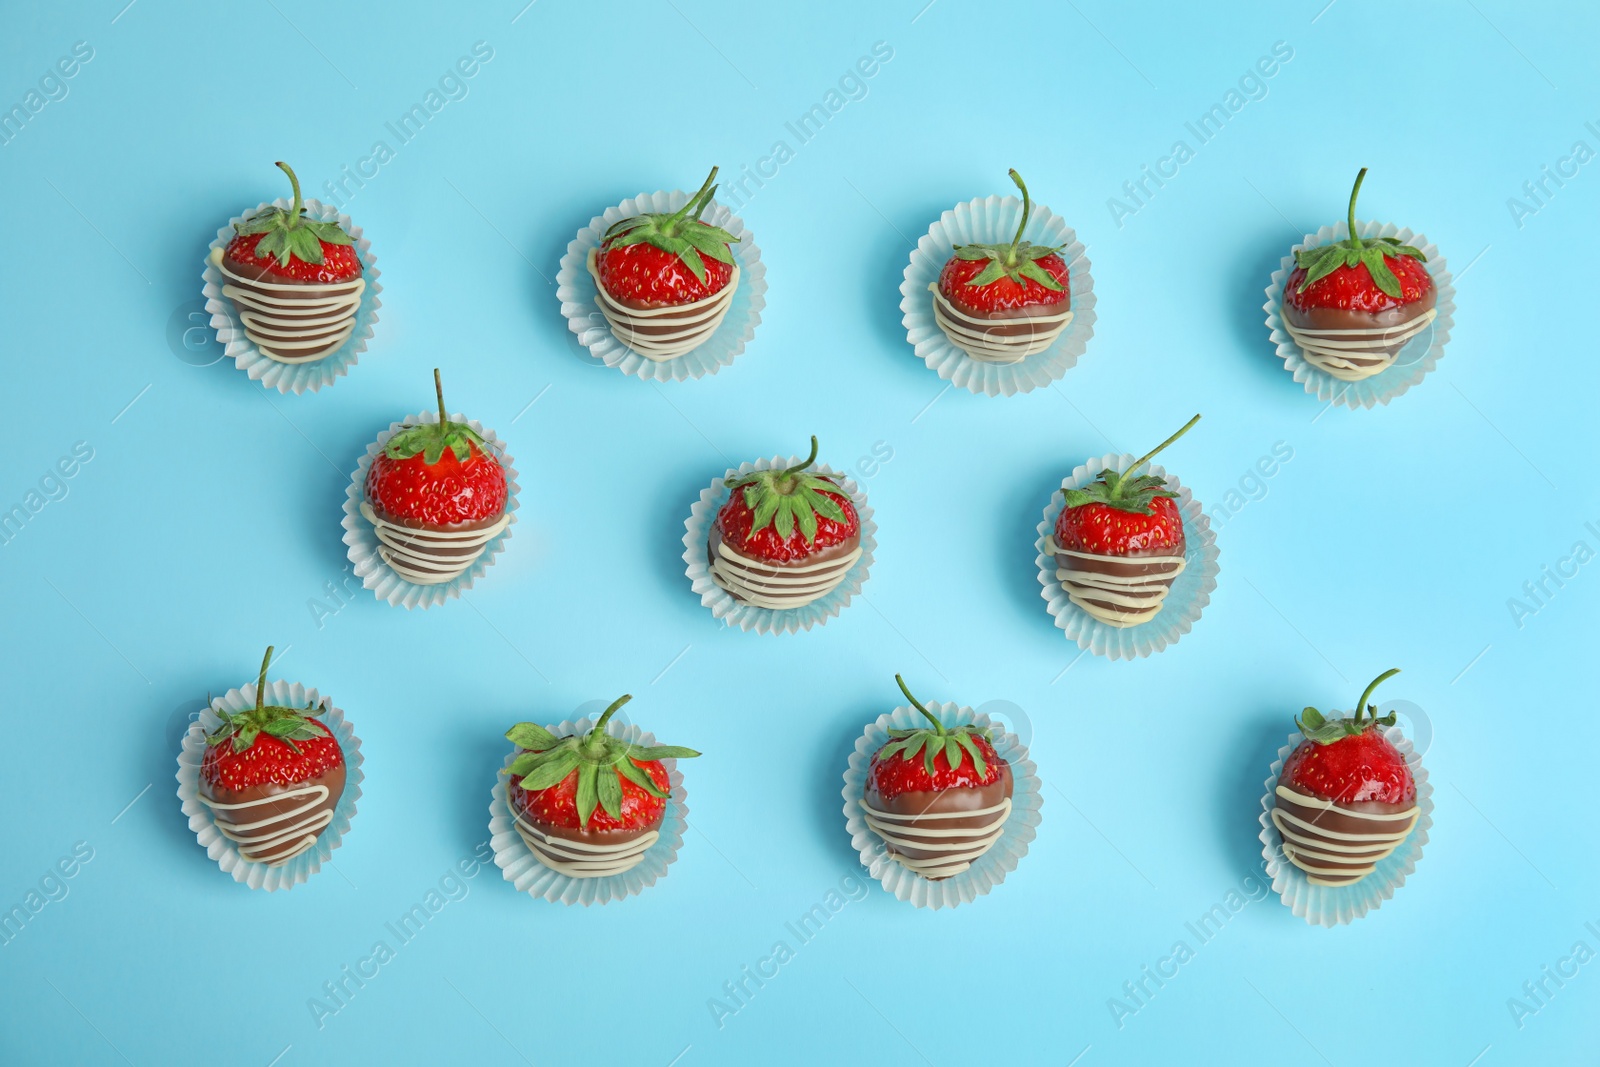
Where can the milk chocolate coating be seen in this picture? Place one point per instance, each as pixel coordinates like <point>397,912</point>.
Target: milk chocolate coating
<point>442,548</point>
<point>1124,567</point>
<point>1346,319</point>
<point>1348,821</point>
<point>275,809</point>
<point>607,838</point>
<point>943,801</point>
<point>764,569</point>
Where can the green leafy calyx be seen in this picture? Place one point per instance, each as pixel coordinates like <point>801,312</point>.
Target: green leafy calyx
<point>954,741</point>
<point>602,762</point>
<point>1127,491</point>
<point>432,438</point>
<point>789,498</point>
<point>1323,260</point>
<point>1017,260</point>
<point>1326,731</point>
<point>681,233</point>
<point>289,233</point>
<point>286,724</point>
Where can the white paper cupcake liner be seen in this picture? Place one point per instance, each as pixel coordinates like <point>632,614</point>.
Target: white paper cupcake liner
<point>522,868</point>
<point>575,287</point>
<point>1410,365</point>
<point>292,377</point>
<point>988,870</point>
<point>992,220</point>
<point>359,534</point>
<point>748,617</point>
<point>1335,905</point>
<point>1188,597</point>
<point>204,824</point>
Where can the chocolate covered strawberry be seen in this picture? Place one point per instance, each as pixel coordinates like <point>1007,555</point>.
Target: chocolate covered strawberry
<point>588,805</point>
<point>938,795</point>
<point>1352,305</point>
<point>666,280</point>
<point>436,495</point>
<point>294,280</point>
<point>272,777</point>
<point>1119,543</point>
<point>785,538</point>
<point>1346,798</point>
<point>1001,303</point>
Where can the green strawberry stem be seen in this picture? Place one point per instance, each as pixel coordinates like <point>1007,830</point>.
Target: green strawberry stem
<point>438,389</point>
<point>781,478</point>
<point>1027,209</point>
<point>598,733</point>
<point>697,203</point>
<point>1148,456</point>
<point>1355,242</point>
<point>937,725</point>
<point>261,681</point>
<point>1361,704</point>
<point>294,183</point>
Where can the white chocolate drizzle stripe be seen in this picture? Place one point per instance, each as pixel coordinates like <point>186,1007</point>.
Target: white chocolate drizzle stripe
<point>293,330</point>
<point>290,834</point>
<point>1356,354</point>
<point>1309,846</point>
<point>692,324</point>
<point>1134,598</point>
<point>414,554</point>
<point>909,832</point>
<point>796,587</point>
<point>976,336</point>
<point>583,859</point>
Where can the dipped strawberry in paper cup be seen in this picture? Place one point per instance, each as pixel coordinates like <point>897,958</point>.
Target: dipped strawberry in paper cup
<point>1126,556</point>
<point>429,507</point>
<point>779,545</point>
<point>1346,813</point>
<point>664,287</point>
<point>269,777</point>
<point>997,297</point>
<point>1362,317</point>
<point>292,292</point>
<point>586,813</point>
<point>940,804</point>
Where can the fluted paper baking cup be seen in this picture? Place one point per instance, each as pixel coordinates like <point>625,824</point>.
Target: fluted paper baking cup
<point>522,868</point>
<point>204,824</point>
<point>292,377</point>
<point>993,220</point>
<point>363,542</point>
<point>748,617</point>
<point>1188,597</point>
<point>989,869</point>
<point>576,289</point>
<point>1411,363</point>
<point>1335,905</point>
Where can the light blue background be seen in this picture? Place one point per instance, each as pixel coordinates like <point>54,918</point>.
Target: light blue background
<point>209,517</point>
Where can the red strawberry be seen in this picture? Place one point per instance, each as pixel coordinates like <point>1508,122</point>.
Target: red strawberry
<point>781,516</point>
<point>952,757</point>
<point>437,474</point>
<point>985,279</point>
<point>1370,274</point>
<point>285,245</point>
<point>656,260</point>
<point>592,781</point>
<point>1123,514</point>
<point>1349,761</point>
<point>268,746</point>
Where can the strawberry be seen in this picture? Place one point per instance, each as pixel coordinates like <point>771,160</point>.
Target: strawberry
<point>592,781</point>
<point>658,260</point>
<point>952,757</point>
<point>985,279</point>
<point>1371,274</point>
<point>1123,514</point>
<point>437,474</point>
<point>783,516</point>
<point>268,746</point>
<point>1349,760</point>
<point>284,245</point>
